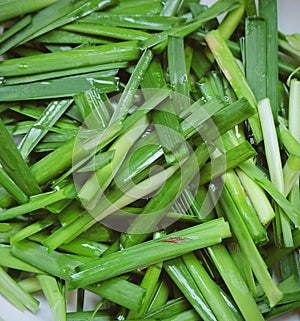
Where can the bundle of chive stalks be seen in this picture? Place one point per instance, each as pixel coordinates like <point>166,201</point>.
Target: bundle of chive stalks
<point>179,200</point>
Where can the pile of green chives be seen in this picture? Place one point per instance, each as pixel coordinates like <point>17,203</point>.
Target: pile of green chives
<point>149,154</point>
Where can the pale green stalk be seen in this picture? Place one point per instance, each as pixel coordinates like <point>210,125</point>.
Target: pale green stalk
<point>294,109</point>
<point>291,170</point>
<point>271,143</point>
<point>234,75</point>
<point>258,198</point>
<point>274,161</point>
<point>54,294</point>
<point>246,210</point>
<point>30,284</point>
<point>232,20</point>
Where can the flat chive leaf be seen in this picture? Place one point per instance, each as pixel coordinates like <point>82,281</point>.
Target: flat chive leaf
<point>55,263</point>
<point>120,291</point>
<point>32,229</point>
<point>168,124</point>
<point>215,10</point>
<point>103,54</point>
<point>149,282</point>
<point>177,69</point>
<point>232,158</point>
<point>133,83</point>
<point>10,186</point>
<point>106,68</point>
<point>99,161</point>
<point>16,294</point>
<point>48,118</point>
<point>154,77</point>
<point>169,308</point>
<point>66,37</point>
<point>170,8</point>
<point>84,247</point>
<point>135,7</point>
<point>179,273</point>
<point>86,315</point>
<point>209,289</point>
<point>16,28</point>
<point>14,164</point>
<point>132,21</point>
<point>10,261</point>
<point>94,110</point>
<point>58,88</point>
<point>170,134</point>
<point>12,9</point>
<point>55,296</point>
<point>107,31</point>
<point>200,64</point>
<point>154,101</point>
<point>256,56</point>
<point>40,201</point>
<point>61,265</point>
<point>292,166</point>
<point>57,14</point>
<point>59,164</point>
<point>236,283</point>
<point>249,249</point>
<point>165,249</point>
<point>80,245</point>
<point>268,11</point>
